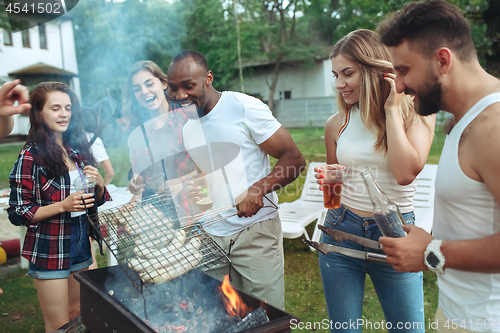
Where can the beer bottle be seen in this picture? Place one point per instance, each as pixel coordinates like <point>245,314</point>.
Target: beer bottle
<point>385,212</point>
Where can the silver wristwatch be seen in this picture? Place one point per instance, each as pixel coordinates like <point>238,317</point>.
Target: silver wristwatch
<point>433,257</point>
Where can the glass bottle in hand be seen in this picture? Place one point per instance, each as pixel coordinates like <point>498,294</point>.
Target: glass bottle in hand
<point>385,212</point>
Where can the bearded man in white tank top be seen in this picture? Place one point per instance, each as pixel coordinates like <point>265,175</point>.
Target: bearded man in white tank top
<point>435,60</point>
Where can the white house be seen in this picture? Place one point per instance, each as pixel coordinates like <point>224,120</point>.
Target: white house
<point>43,53</point>
<point>304,95</point>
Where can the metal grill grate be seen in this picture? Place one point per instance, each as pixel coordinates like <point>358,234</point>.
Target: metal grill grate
<point>152,244</point>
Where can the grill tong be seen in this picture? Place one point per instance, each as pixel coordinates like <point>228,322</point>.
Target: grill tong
<point>341,236</point>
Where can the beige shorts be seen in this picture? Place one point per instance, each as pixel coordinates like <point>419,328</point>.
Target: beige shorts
<point>441,320</point>
<point>257,261</point>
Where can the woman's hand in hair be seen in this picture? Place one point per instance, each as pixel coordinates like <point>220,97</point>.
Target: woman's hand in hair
<point>394,99</point>
<point>95,175</point>
<point>74,203</point>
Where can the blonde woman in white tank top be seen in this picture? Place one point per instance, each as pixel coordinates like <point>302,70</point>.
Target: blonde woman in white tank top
<point>376,129</point>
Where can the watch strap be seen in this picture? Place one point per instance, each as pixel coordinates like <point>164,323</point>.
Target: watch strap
<point>433,257</point>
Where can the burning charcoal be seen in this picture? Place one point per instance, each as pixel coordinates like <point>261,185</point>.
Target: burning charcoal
<point>228,324</point>
<point>190,307</point>
<point>177,327</point>
<point>169,304</point>
<point>252,319</point>
<point>165,327</point>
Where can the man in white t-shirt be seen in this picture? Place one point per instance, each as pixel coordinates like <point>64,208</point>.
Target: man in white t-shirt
<point>230,136</point>
<point>435,60</point>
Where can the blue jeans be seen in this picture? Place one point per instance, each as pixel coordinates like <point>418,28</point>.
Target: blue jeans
<point>80,253</point>
<point>400,294</point>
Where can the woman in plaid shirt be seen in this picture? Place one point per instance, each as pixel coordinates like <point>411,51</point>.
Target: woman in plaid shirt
<point>42,199</point>
<point>146,105</point>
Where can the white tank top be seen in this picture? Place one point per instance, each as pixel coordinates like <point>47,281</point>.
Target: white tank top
<point>465,209</point>
<point>355,151</point>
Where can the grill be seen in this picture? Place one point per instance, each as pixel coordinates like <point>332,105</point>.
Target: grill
<point>74,326</point>
<point>152,244</point>
<point>109,303</point>
<point>164,252</point>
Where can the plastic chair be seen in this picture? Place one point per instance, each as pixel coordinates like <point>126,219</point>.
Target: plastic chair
<point>424,197</point>
<point>296,215</point>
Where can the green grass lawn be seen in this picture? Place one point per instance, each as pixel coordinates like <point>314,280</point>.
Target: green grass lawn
<point>19,310</point>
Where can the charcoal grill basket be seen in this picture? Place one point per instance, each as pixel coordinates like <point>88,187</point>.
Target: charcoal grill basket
<point>152,244</point>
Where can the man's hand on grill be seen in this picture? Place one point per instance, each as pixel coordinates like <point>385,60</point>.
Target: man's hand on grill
<point>136,185</point>
<point>194,192</point>
<point>251,203</point>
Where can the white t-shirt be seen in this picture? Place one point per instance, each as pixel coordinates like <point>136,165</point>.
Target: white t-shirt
<point>97,149</point>
<point>234,129</point>
<point>465,209</point>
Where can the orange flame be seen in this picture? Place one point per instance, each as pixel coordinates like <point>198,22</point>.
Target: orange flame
<point>233,302</point>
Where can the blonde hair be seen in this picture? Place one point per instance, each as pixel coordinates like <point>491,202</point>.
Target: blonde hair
<point>363,47</point>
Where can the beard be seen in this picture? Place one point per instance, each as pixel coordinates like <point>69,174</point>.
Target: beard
<point>429,99</point>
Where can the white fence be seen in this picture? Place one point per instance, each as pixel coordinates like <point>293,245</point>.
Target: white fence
<point>298,113</point>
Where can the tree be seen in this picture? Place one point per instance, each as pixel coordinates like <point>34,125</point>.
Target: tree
<point>110,37</point>
<point>490,17</point>
<point>269,32</point>
<point>211,30</point>
<point>282,36</point>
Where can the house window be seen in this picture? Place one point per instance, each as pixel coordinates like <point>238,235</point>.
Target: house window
<point>26,38</point>
<point>43,36</point>
<point>287,94</point>
<point>7,38</point>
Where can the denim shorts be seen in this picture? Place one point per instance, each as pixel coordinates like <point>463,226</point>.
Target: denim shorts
<point>80,253</point>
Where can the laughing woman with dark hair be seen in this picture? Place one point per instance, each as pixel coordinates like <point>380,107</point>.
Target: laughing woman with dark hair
<point>145,98</point>
<point>144,92</point>
<point>43,199</point>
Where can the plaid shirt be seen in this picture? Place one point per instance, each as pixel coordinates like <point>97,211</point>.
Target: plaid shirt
<point>180,162</point>
<point>47,243</point>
